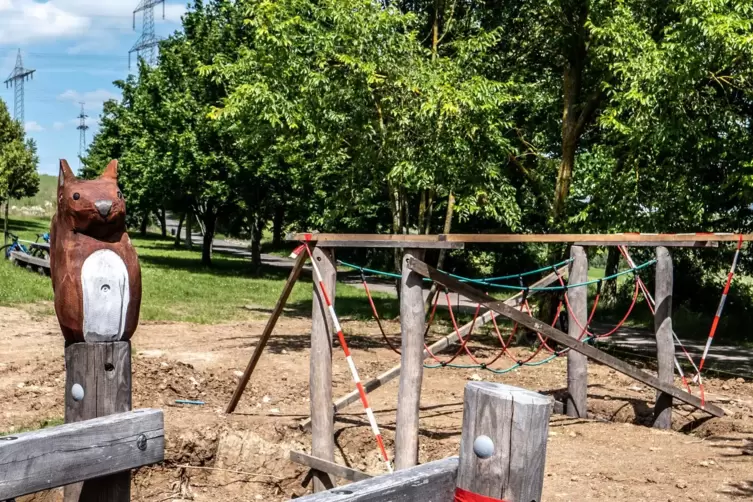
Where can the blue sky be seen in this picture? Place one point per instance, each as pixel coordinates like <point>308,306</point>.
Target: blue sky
<point>78,48</point>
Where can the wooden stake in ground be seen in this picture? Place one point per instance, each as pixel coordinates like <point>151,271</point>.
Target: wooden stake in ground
<point>412,325</point>
<point>320,371</point>
<point>558,336</point>
<point>97,384</point>
<point>267,333</point>
<point>665,348</point>
<point>577,364</point>
<point>503,446</point>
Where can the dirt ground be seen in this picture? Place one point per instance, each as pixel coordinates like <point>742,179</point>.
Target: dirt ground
<point>212,457</point>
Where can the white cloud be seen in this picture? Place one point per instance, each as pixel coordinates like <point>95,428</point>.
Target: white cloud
<point>25,21</point>
<point>33,126</point>
<point>58,126</point>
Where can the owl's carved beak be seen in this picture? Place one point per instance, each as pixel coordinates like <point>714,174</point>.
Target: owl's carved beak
<point>104,207</point>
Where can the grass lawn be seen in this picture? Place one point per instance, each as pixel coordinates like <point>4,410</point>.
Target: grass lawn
<point>176,287</point>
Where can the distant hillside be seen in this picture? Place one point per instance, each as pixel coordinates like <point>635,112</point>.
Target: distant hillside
<point>42,204</point>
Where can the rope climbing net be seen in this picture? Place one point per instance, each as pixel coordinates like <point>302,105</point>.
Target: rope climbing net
<point>563,312</point>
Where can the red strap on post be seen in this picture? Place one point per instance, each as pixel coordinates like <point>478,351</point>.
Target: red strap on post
<point>466,496</point>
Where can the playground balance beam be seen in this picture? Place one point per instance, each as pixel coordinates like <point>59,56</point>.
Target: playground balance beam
<point>459,240</point>
<point>558,336</point>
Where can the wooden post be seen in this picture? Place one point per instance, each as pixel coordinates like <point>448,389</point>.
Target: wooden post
<point>665,348</point>
<point>577,364</point>
<point>412,325</point>
<point>295,272</point>
<point>320,376</point>
<point>503,446</point>
<point>97,384</point>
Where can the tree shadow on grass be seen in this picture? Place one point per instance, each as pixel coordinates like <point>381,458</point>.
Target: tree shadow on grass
<point>17,226</point>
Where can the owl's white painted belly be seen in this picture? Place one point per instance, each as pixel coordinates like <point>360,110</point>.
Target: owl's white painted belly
<point>104,281</point>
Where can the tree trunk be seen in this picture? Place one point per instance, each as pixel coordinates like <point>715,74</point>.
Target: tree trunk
<point>277,225</point>
<point>189,229</point>
<point>5,221</point>
<point>163,221</point>
<point>210,220</point>
<point>442,252</point>
<point>144,223</point>
<point>257,226</point>
<point>180,229</point>
<point>609,288</point>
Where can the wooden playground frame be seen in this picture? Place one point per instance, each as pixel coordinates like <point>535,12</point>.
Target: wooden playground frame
<point>412,319</point>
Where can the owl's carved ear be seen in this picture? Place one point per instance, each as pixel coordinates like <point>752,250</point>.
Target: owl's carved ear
<point>66,174</point>
<point>111,171</point>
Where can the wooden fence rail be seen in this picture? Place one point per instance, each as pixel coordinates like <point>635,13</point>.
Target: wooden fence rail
<point>80,451</point>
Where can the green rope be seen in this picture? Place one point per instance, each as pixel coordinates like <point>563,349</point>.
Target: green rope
<point>516,288</point>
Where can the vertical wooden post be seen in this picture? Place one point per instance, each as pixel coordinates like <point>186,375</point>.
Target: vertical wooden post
<point>320,371</point>
<point>665,348</point>
<point>503,446</point>
<point>412,325</point>
<point>97,384</point>
<point>577,364</point>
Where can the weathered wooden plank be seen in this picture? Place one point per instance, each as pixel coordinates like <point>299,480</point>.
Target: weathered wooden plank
<point>30,260</point>
<point>437,346</point>
<point>70,453</point>
<point>332,468</point>
<point>320,365</point>
<point>665,347</point>
<point>394,244</point>
<point>431,482</point>
<point>558,336</point>
<point>651,244</point>
<point>412,327</point>
<point>577,363</point>
<point>503,445</point>
<point>295,272</point>
<point>361,240</point>
<point>102,372</point>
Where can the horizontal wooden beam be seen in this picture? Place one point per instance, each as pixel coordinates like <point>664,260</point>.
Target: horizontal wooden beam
<point>432,482</point>
<point>409,240</point>
<point>392,244</point>
<point>332,468</point>
<point>653,244</point>
<point>70,453</point>
<point>438,346</point>
<point>28,259</point>
<point>558,336</point>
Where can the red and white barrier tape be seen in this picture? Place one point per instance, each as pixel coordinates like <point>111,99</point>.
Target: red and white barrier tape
<point>349,359</point>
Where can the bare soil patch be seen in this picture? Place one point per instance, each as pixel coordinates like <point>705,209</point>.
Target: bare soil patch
<point>211,456</point>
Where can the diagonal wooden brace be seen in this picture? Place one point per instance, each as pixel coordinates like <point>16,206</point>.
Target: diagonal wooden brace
<point>546,330</point>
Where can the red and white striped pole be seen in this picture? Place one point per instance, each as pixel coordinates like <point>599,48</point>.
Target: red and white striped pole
<point>349,358</point>
<point>719,310</point>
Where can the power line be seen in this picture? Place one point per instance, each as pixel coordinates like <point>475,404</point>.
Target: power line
<point>17,79</point>
<point>148,41</point>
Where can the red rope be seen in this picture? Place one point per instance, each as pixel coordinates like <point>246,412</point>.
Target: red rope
<point>376,316</point>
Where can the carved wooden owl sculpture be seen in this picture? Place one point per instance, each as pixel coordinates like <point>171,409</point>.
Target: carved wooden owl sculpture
<point>95,271</point>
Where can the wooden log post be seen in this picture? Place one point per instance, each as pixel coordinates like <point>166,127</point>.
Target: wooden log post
<point>98,383</point>
<point>320,371</point>
<point>412,325</point>
<point>503,446</point>
<point>577,364</point>
<point>665,349</point>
